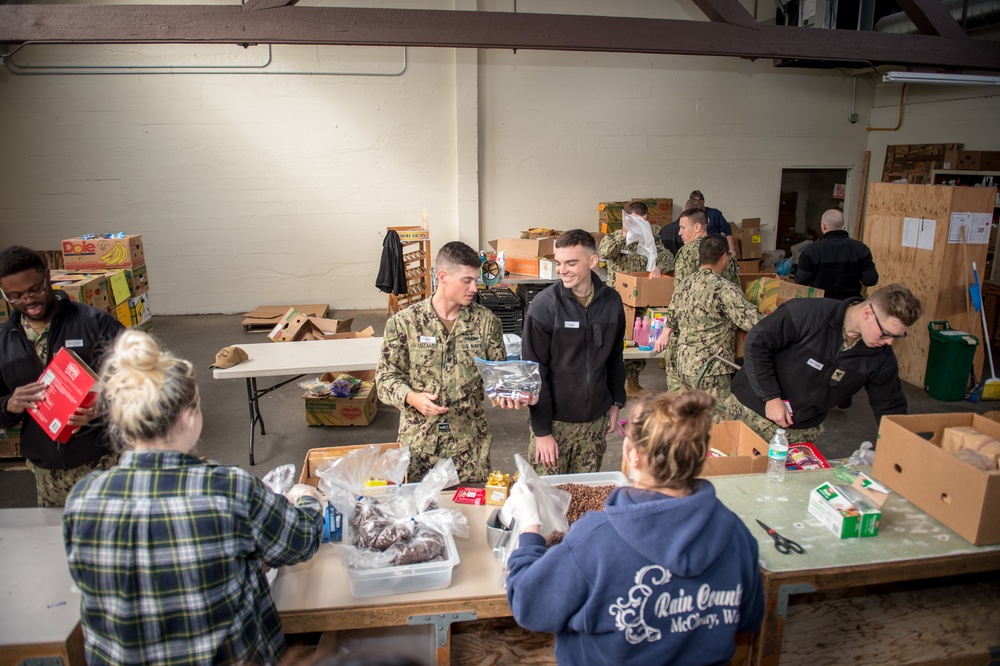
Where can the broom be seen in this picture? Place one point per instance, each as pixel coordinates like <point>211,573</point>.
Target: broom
<point>991,386</point>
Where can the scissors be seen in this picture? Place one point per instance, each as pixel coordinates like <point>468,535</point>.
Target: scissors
<point>781,544</point>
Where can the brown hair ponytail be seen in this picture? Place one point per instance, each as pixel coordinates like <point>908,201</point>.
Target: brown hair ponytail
<point>670,432</point>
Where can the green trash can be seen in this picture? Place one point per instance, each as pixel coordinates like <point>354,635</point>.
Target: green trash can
<point>949,362</point>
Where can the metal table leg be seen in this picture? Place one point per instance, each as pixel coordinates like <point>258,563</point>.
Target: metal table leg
<point>253,399</point>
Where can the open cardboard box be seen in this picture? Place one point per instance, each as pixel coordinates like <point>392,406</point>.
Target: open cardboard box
<point>639,290</point>
<point>296,326</point>
<point>910,461</point>
<point>359,410</point>
<point>746,451</point>
<point>316,457</point>
<point>748,237</point>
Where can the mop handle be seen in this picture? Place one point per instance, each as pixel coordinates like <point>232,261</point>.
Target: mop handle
<point>982,313</point>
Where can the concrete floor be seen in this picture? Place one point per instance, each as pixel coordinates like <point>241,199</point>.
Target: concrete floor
<point>226,429</point>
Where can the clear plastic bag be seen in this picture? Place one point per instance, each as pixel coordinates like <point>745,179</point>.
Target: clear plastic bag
<point>637,230</point>
<point>512,344</point>
<point>518,380</point>
<point>316,387</point>
<point>280,479</point>
<point>345,479</point>
<point>552,502</point>
<point>863,457</point>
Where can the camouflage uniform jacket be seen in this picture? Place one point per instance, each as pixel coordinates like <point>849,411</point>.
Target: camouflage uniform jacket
<point>705,310</point>
<point>419,355</point>
<point>621,256</point>
<point>688,263</point>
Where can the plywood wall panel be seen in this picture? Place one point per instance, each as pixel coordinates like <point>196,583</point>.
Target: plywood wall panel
<point>938,277</point>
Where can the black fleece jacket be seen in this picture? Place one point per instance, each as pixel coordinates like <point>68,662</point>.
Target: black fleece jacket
<point>794,353</point>
<point>89,333</point>
<point>838,264</point>
<point>580,353</point>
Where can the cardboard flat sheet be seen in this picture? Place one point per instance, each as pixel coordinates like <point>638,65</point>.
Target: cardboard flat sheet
<point>269,315</point>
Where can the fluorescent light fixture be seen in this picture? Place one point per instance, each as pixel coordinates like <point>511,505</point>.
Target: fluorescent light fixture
<point>941,79</point>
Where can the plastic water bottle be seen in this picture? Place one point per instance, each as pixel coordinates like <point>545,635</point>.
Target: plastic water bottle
<point>777,454</point>
<point>636,330</point>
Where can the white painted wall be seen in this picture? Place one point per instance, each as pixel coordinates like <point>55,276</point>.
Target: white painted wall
<point>259,189</point>
<point>933,114</point>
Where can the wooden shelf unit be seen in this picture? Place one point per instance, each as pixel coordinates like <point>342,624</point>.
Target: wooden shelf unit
<point>416,242</point>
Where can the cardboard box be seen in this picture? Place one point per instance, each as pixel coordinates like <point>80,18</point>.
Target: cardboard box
<point>266,316</point>
<point>136,282</point>
<point>496,495</point>
<point>661,211</point>
<point>10,442</point>
<point>89,288</point>
<point>522,265</point>
<point>639,290</point>
<point>316,457</point>
<point>103,252</point>
<point>749,266</point>
<point>748,238</point>
<point>962,497</point>
<point>70,384</point>
<point>829,504</point>
<point>873,491</point>
<point>296,326</point>
<point>747,278</point>
<point>357,411</point>
<point>768,293</point>
<point>139,310</point>
<point>547,269</point>
<point>746,451</point>
<point>525,247</point>
<point>969,160</point>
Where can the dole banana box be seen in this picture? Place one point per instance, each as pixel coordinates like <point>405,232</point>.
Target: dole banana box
<point>83,287</point>
<point>102,252</point>
<point>844,511</point>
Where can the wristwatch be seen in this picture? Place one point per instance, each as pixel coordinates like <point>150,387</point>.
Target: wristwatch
<point>618,403</point>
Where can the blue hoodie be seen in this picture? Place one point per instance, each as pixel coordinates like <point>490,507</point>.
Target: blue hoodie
<point>650,580</point>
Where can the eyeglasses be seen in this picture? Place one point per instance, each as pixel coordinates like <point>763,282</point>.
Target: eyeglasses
<point>885,336</point>
<point>28,295</point>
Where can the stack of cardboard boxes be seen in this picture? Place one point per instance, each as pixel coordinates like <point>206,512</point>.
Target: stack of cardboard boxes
<point>108,273</point>
<point>609,213</point>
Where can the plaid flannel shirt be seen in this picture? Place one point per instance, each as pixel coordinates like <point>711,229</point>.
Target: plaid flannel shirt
<point>169,553</point>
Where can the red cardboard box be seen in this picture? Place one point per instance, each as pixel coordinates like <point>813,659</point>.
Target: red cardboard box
<point>70,384</point>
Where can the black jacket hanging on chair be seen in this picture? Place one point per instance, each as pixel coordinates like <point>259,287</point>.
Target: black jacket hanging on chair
<point>391,276</point>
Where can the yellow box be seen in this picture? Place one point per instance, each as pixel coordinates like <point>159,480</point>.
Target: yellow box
<point>496,495</point>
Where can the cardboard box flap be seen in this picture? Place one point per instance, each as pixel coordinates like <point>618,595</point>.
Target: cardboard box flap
<point>270,314</point>
<point>330,326</point>
<point>366,333</point>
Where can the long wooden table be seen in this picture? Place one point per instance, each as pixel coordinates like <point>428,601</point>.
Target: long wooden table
<point>280,359</point>
<point>39,605</point>
<point>910,546</point>
<point>316,595</point>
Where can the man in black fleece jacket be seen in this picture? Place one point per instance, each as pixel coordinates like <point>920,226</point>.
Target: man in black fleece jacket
<point>43,322</point>
<point>575,330</point>
<point>812,354</point>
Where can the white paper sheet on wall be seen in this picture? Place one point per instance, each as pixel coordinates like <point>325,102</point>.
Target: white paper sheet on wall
<point>911,231</point>
<point>926,239</point>
<point>976,226</point>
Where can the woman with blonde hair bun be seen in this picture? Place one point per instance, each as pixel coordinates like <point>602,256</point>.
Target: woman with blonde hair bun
<point>169,552</point>
<point>666,574</point>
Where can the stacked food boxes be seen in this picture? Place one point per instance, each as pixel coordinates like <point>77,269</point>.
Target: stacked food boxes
<point>609,213</point>
<point>108,271</point>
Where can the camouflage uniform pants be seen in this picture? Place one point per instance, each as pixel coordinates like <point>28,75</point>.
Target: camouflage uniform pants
<point>675,384</point>
<point>732,409</point>
<point>715,385</point>
<point>471,461</point>
<point>53,485</point>
<point>581,447</point>
<point>634,368</point>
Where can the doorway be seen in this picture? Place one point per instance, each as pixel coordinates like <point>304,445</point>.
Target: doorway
<point>805,195</point>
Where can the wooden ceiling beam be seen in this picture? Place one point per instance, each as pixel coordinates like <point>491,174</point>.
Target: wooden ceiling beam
<point>931,18</point>
<point>216,24</point>
<point>727,11</point>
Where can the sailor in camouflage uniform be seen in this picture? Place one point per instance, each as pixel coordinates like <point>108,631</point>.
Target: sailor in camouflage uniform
<point>427,370</point>
<point>618,255</point>
<point>705,311</point>
<point>693,229</point>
